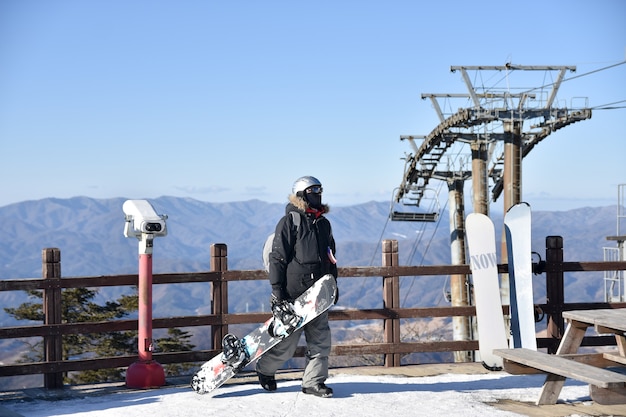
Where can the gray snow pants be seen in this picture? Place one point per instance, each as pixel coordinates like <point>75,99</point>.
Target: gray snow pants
<point>318,340</point>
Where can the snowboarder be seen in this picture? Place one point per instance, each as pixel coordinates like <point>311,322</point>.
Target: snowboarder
<point>300,255</point>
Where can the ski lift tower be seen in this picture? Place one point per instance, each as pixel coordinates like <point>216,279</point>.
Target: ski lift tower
<point>517,118</point>
<point>614,280</point>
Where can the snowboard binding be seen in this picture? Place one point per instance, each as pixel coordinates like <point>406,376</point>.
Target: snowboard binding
<point>196,383</point>
<point>286,320</point>
<point>233,353</point>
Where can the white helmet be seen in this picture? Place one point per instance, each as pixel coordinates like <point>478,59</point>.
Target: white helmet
<point>303,183</point>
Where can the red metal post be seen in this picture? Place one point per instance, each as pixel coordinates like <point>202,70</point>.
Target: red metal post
<point>145,308</point>
<point>145,373</point>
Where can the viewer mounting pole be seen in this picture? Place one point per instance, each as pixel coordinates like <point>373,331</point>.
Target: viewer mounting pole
<point>143,223</point>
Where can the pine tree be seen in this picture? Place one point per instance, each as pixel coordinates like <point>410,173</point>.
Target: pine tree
<point>177,341</point>
<point>78,307</point>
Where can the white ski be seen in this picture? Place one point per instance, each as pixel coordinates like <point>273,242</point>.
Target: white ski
<point>484,265</point>
<point>517,222</point>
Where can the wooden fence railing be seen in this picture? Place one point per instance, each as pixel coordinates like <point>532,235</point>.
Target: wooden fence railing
<point>391,346</point>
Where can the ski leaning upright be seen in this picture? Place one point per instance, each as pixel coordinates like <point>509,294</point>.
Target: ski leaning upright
<point>238,353</point>
<point>484,266</point>
<point>517,222</point>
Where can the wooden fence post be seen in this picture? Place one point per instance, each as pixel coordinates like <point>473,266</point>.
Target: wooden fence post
<point>52,310</point>
<point>219,263</point>
<point>555,294</point>
<point>391,299</point>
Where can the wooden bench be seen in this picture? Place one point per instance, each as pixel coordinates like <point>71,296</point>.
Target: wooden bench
<point>605,386</point>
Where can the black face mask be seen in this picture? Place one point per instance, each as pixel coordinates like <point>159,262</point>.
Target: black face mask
<point>314,200</point>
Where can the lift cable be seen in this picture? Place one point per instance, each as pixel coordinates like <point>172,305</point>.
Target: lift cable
<point>426,249</point>
<point>578,76</point>
<point>610,106</point>
<point>432,236</point>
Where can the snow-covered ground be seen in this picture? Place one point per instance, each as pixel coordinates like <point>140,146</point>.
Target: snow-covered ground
<point>464,395</point>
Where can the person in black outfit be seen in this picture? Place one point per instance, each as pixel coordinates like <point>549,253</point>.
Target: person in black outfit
<point>301,254</point>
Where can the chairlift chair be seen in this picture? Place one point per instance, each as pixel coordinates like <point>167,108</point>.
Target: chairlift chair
<point>404,209</point>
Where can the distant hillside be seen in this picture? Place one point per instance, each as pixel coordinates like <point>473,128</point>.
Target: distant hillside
<point>89,233</point>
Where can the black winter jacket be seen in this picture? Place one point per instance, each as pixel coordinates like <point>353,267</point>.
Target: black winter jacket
<point>299,254</point>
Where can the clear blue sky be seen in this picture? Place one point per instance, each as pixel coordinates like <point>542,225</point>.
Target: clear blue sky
<point>233,100</point>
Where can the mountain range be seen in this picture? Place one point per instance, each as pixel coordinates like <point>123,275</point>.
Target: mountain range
<point>89,233</point>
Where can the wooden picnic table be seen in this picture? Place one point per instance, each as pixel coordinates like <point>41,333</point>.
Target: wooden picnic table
<point>611,320</point>
<point>605,386</point>
<point>604,321</point>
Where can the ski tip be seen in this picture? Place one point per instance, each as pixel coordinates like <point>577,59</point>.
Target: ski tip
<point>522,204</point>
<point>478,218</point>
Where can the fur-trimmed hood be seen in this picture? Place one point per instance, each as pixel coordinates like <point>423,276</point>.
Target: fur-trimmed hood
<point>301,204</point>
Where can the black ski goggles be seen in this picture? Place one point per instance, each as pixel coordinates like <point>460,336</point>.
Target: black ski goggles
<point>316,189</point>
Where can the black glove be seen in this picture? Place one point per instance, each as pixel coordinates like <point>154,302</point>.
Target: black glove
<point>278,294</point>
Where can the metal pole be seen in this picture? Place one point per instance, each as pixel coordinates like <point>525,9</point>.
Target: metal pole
<point>512,191</point>
<point>145,373</point>
<point>145,346</point>
<point>461,328</point>
<point>479,177</point>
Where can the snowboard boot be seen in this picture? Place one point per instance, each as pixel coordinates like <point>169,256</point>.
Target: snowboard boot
<point>319,390</point>
<point>267,382</point>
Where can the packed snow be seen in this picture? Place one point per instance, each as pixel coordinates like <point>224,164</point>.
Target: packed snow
<point>354,395</point>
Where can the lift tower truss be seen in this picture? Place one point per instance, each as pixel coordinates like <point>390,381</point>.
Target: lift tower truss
<point>493,116</point>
